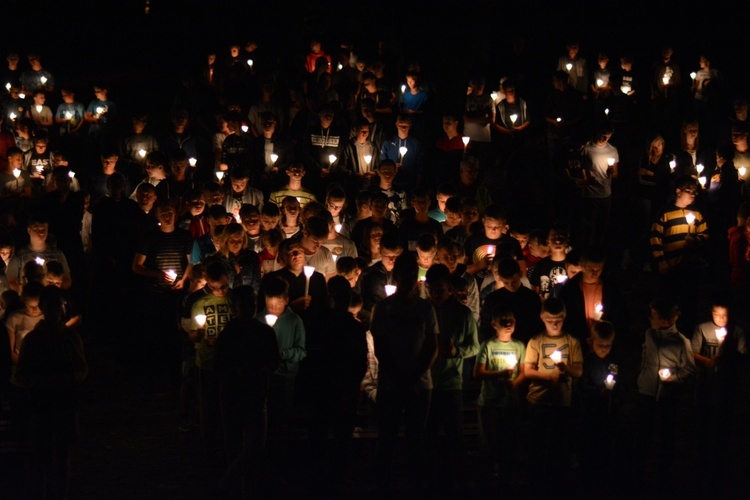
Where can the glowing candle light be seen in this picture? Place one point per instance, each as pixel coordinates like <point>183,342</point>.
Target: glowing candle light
<point>142,153</point>
<point>511,362</point>
<point>340,67</point>
<point>513,118</point>
<point>610,161</point>
<point>672,165</point>
<point>390,290</point>
<point>331,159</point>
<point>99,110</point>
<point>7,86</point>
<point>569,67</point>
<point>368,159</point>
<point>335,257</point>
<point>693,74</point>
<point>721,334</point>
<point>665,80</point>
<point>598,311</point>
<point>271,319</point>
<point>200,320</point>
<point>606,111</point>
<point>220,175</point>
<point>599,82</point>
<point>556,357</point>
<point>245,128</point>
<point>625,89</point>
<point>609,382</point>
<point>171,274</point>
<point>12,116</point>
<point>702,181</point>
<point>39,261</point>
<point>43,79</point>
<point>71,174</point>
<point>22,95</point>
<point>68,115</point>
<point>338,227</point>
<point>299,199</point>
<point>274,157</point>
<point>17,172</point>
<point>308,270</point>
<point>38,108</point>
<point>491,250</point>
<point>402,151</point>
<point>493,95</point>
<point>192,161</point>
<point>665,373</point>
<point>465,139</point>
<point>699,167</point>
<point>403,89</point>
<point>250,63</point>
<point>690,218</point>
<point>558,119</point>
<point>742,171</point>
<point>560,279</point>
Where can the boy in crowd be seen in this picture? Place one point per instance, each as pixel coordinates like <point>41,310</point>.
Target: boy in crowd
<point>549,270</point>
<point>481,247</point>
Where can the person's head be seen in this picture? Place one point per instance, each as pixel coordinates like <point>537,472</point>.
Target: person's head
<point>720,306</point>
<point>626,63</point>
<point>197,277</point>
<point>560,80</point>
<point>412,80</point>
<point>326,116</point>
<point>503,321</point>
<point>68,96</point>
<point>340,293</point>
<point>217,216</point>
<point>664,314</point>
<point>438,281</point>
<point>233,239</point>
<point>603,133</point>
<point>38,229</point>
<point>390,250</point>
<point>445,191</point>
<point>101,91</point>
<point>244,302</point>
<point>295,172</point>
<point>743,216</point>
<point>387,172</point>
<point>363,203</point>
<point>426,250</point>
<point>40,96</point>
<point>495,222</point>
<point>403,125</point>
<point>371,237</point>
<point>335,201</point>
<point>109,160</point>
<point>656,147</point>
<point>452,211</point>
<point>276,295</point>
<point>572,49</point>
<point>217,279</point>
<point>6,251</point>
<point>269,216</point>
<point>420,201</point>
<point>449,253</point>
<point>250,219</point>
<point>239,177</point>
<point>553,315</point>
<point>573,263</point>
<point>30,296</point>
<point>469,211</point>
<point>347,267</point>
<point>602,337</point>
<point>592,264</point>
<point>314,234</point>
<point>520,234</point>
<point>689,135</point>
<point>603,60</point>
<point>405,271</point>
<point>196,202</point>
<point>166,215</point>
<point>15,157</point>
<point>469,170</point>
<point>538,246</point>
<point>508,272</point>
<point>290,208</point>
<point>686,189</point>
<point>739,134</point>
<point>53,274</point>
<point>476,85</point>
<point>145,195</point>
<point>270,240</point>
<point>450,124</point>
<point>379,205</point>
<point>557,239</point>
<point>291,255</point>
<point>32,272</point>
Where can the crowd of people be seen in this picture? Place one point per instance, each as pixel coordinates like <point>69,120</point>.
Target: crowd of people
<point>288,250</point>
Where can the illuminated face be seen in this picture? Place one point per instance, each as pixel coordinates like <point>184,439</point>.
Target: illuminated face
<point>425,259</point>
<point>15,161</point>
<point>375,238</point>
<point>353,276</point>
<point>197,206</point>
<point>334,206</point>
<point>39,99</point>
<point>387,173</point>
<point>557,241</point>
<point>295,173</point>
<point>592,271</point>
<point>505,327</point>
<point>685,197</point>
<point>720,316</point>
<point>420,205</point>
<point>108,164</point>
<point>450,126</point>
<point>6,253</point>
<point>522,239</point>
<point>276,305</point>
<point>494,228</point>
<point>657,147</point>
<point>32,307</point>
<point>326,119</point>
<point>411,82</point>
<point>38,232</point>
<point>235,243</point>
<point>449,258</point>
<point>388,258</point>
<point>268,222</point>
<point>52,280</point>
<point>251,223</point>
<point>310,243</point>
<point>379,208</point>
<point>179,167</point>
<point>166,216</point>
<point>218,288</point>
<point>452,219</point>
<point>239,185</point>
<point>538,249</point>
<point>68,97</point>
<point>601,347</point>
<point>291,208</point>
<point>40,147</point>
<point>553,323</point>
<point>296,258</point>
<point>511,284</point>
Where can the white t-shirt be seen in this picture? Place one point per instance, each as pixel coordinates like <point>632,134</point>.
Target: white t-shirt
<point>601,184</point>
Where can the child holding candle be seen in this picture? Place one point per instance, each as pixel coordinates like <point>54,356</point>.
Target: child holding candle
<point>500,367</point>
<point>666,366</point>
<point>553,358</point>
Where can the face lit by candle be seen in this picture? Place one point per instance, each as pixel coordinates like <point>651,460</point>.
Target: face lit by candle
<point>271,319</point>
<point>200,320</point>
<point>556,357</point>
<point>665,373</point>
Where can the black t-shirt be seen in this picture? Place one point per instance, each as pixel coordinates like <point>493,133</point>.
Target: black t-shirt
<point>545,275</point>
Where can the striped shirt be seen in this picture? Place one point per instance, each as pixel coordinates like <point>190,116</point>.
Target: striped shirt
<point>670,230</point>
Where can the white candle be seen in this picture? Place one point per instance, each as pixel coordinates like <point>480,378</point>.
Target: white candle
<point>331,159</point>
<point>271,319</point>
<point>560,279</point>
<point>142,153</point>
<point>665,80</point>
<point>465,139</point>
<point>43,80</point>
<point>22,95</point>
<point>606,111</point>
<point>511,362</point>
<point>7,86</point>
<point>599,82</point>
<point>702,181</point>
<point>665,373</point>
<point>625,89</point>
<point>403,89</point>
<point>513,118</point>
<point>245,128</point>
<point>721,334</point>
<point>693,74</point>
<point>12,116</point>
<point>308,270</point>
<point>598,311</point>
<point>200,320</point>
<point>556,356</point>
<point>340,67</point>
<point>672,165</point>
<point>742,171</point>
<point>402,151</point>
<point>569,66</point>
<point>192,161</point>
<point>99,110</point>
<point>610,161</point>
<point>250,63</point>
<point>38,109</point>
<point>274,157</point>
<point>71,174</point>
<point>220,175</point>
<point>39,261</point>
<point>335,257</point>
<point>390,290</point>
<point>171,274</point>
<point>699,167</point>
<point>17,172</point>
<point>368,159</point>
<point>690,218</point>
<point>338,227</point>
<point>493,95</point>
<point>609,382</point>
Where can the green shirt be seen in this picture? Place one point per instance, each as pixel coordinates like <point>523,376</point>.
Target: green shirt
<point>497,355</point>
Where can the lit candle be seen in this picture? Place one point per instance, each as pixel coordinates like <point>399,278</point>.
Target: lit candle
<point>560,279</point>
<point>7,86</point>
<point>250,63</point>
<point>465,139</point>
<point>403,89</point>
<point>331,159</point>
<point>599,82</point>
<point>68,115</point>
<point>192,161</point>
<point>334,256</point>
<point>368,159</point>
<point>338,227</point>
<point>598,311</point>
<point>340,67</point>
<point>702,181</point>
<point>672,165</point>
<point>625,89</point>
<point>99,110</point>
<point>142,153</point>
<point>665,80</point>
<point>390,290</point>
<point>511,362</point>
<point>569,67</point>
<point>513,118</point>
<point>558,119</point>
<point>238,218</point>
<point>38,108</point>
<point>556,356</point>
<point>610,161</point>
<point>274,157</point>
<point>39,261</point>
<point>200,320</point>
<point>699,167</point>
<point>721,334</point>
<point>171,274</point>
<point>742,171</point>
<point>220,175</point>
<point>245,128</point>
<point>402,151</point>
<point>71,174</point>
<point>665,373</point>
<point>12,116</point>
<point>308,270</point>
<point>491,250</point>
<point>690,218</point>
<point>17,172</point>
<point>606,111</point>
<point>43,79</point>
<point>299,199</point>
<point>493,95</point>
<point>609,382</point>
<point>271,319</point>
<point>22,95</point>
<point>693,75</point>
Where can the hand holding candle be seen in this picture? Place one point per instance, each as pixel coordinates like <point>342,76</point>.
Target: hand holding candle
<point>665,374</point>
<point>390,290</point>
<point>271,319</point>
<point>200,321</point>
<point>308,270</point>
<point>556,357</point>
<point>598,311</point>
<point>511,362</point>
<point>721,334</point>
<point>609,382</point>
<point>171,275</point>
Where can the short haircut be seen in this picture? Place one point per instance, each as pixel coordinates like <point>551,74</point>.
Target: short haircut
<point>384,163</point>
<point>270,210</point>
<point>215,271</point>
<point>14,151</point>
<point>276,286</point>
<point>685,182</point>
<point>721,299</point>
<point>426,242</point>
<point>32,290</point>
<point>363,198</point>
<point>603,330</point>
<point>665,309</point>
<point>593,254</point>
<point>54,268</point>
<point>503,315</point>
<point>573,258</point>
<point>271,238</point>
<point>438,273</point>
<point>453,205</point>
<point>37,218</point>
<point>336,193</point>
<point>420,192</point>
<point>346,265</point>
<point>239,173</point>
<point>391,241</point>
<point>448,189</point>
<point>197,272</point>
<point>405,269</point>
<point>508,268</point>
<point>248,209</point>
<point>554,307</point>
<point>217,212</point>
<point>156,159</point>
<point>495,211</point>
<point>244,300</point>
<point>316,227</point>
